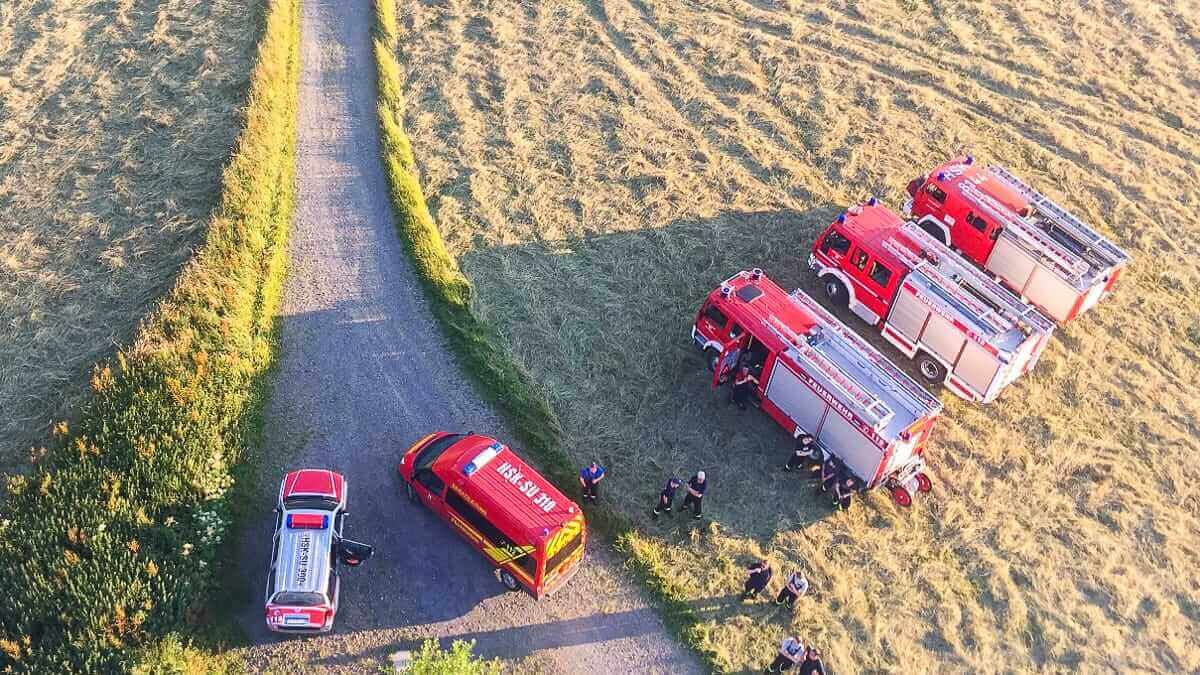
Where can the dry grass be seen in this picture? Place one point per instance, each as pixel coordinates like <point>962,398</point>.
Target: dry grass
<point>597,166</point>
<point>115,119</point>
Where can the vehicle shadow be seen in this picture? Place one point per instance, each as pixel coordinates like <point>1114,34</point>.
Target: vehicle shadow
<point>522,641</point>
<point>604,322</point>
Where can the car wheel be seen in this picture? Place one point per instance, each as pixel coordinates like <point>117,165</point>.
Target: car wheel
<point>931,369</point>
<point>412,493</point>
<point>510,582</point>
<point>835,290</point>
<point>901,496</point>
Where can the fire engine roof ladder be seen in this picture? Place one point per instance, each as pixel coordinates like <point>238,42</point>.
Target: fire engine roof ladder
<point>976,310</point>
<point>1072,265</point>
<point>1066,221</point>
<point>863,350</point>
<point>801,347</point>
<point>948,264</point>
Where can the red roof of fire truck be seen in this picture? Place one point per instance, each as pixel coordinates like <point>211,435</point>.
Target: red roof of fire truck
<point>1014,231</point>
<point>933,304</point>
<point>819,376</point>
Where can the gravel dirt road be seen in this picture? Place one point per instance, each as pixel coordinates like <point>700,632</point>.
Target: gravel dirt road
<point>363,373</point>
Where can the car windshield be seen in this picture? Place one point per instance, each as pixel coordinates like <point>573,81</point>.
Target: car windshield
<point>311,502</point>
<point>431,452</point>
<point>295,599</point>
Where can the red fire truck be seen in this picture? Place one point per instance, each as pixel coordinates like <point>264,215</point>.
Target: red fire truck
<point>1037,248</point>
<point>816,375</point>
<point>962,327</point>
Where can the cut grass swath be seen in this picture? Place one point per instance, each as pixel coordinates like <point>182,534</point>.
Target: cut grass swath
<point>479,346</point>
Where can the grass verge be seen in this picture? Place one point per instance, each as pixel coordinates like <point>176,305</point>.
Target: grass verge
<point>113,544</point>
<point>480,347</point>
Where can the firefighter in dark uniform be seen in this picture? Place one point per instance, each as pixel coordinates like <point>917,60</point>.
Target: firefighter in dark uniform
<point>743,387</point>
<point>844,490</point>
<point>695,493</point>
<point>806,448</point>
<point>667,497</point>
<point>758,576</point>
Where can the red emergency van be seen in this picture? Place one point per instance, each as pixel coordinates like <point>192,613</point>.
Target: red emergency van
<point>817,376</point>
<point>1045,254</point>
<point>532,533</point>
<point>962,327</point>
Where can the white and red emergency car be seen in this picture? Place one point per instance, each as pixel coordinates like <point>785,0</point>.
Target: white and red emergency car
<point>963,328</point>
<point>303,582</point>
<point>1034,246</point>
<point>816,375</point>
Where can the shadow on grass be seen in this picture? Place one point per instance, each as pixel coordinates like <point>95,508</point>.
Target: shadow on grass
<point>603,323</point>
<point>522,641</point>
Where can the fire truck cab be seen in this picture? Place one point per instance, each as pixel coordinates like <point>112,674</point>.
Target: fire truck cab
<point>964,329</point>
<point>817,376</point>
<point>1037,248</point>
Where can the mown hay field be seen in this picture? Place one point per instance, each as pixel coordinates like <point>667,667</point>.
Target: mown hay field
<point>598,166</point>
<point>116,117</point>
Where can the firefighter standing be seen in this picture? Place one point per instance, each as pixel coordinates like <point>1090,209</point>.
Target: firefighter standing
<point>590,477</point>
<point>796,586</point>
<point>695,492</point>
<point>791,651</point>
<point>758,576</point>
<point>803,453</point>
<point>667,496</point>
<point>743,384</point>
<point>844,490</point>
<point>811,665</point>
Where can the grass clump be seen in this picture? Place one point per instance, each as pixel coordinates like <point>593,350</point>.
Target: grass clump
<point>114,541</point>
<point>431,659</point>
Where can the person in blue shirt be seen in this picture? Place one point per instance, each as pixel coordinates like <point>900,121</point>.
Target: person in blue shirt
<point>590,477</point>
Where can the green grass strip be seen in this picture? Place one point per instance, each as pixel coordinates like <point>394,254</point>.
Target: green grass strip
<point>112,544</point>
<point>479,346</point>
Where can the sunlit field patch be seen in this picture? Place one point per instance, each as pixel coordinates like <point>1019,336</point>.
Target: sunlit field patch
<point>116,117</point>
<point>597,166</point>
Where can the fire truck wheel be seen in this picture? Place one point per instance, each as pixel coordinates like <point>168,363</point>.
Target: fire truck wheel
<point>931,369</point>
<point>923,483</point>
<point>901,496</point>
<point>835,290</point>
<point>412,494</point>
<point>509,581</point>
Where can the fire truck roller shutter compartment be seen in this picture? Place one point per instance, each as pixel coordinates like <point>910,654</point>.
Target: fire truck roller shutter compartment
<point>908,315</point>
<point>789,393</point>
<point>943,339</point>
<point>855,449</point>
<point>1011,264</point>
<point>977,367</point>
<point>1051,293</point>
